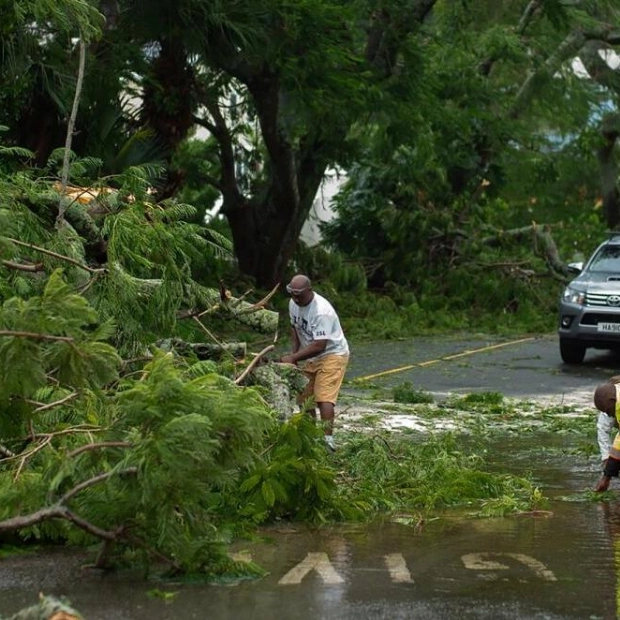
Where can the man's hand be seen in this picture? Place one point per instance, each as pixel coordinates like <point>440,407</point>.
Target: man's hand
<point>602,484</point>
<point>288,359</point>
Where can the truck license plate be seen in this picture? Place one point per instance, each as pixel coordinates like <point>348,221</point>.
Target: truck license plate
<point>608,327</point>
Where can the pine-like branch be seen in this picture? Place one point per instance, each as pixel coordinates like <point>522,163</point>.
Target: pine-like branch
<point>98,446</point>
<point>95,480</point>
<point>36,248</point>
<point>34,335</point>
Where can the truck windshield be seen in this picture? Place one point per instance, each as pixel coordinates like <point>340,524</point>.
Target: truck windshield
<point>606,259</point>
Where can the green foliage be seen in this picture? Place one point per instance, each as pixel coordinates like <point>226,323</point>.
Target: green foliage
<point>387,472</point>
<point>53,333</point>
<point>478,400</point>
<point>150,250</point>
<point>146,449</point>
<point>69,15</point>
<point>407,393</point>
<point>176,447</point>
<point>294,479</point>
<point>377,473</point>
<point>444,145</point>
<point>198,159</point>
<point>318,263</point>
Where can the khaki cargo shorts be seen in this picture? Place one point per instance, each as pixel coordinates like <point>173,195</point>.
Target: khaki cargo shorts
<point>325,376</point>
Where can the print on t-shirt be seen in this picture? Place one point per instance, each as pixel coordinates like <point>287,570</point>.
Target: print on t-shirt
<point>320,316</point>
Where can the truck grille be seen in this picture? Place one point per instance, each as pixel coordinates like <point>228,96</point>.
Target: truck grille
<point>599,299</point>
<point>594,318</point>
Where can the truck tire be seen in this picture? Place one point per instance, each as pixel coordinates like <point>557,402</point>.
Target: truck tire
<point>572,351</point>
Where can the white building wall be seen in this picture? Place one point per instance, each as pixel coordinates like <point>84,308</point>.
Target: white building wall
<point>322,209</point>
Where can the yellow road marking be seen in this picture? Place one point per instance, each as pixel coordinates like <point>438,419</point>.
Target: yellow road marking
<point>442,359</point>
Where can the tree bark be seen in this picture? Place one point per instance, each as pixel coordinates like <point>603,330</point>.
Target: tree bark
<point>204,351</point>
<point>541,239</point>
<point>607,77</point>
<point>265,234</point>
<point>610,132</point>
<point>267,227</point>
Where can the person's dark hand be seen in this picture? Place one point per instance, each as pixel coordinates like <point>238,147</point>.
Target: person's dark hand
<point>604,464</point>
<point>602,484</point>
<point>288,359</point>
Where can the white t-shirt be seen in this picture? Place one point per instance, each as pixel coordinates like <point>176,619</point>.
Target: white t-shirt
<point>318,321</point>
<point>604,426</point>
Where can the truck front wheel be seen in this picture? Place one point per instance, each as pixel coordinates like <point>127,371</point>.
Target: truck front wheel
<point>572,351</point>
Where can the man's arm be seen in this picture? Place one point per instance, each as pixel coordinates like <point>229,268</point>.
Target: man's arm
<point>604,425</point>
<point>296,344</point>
<point>611,468</point>
<point>311,350</point>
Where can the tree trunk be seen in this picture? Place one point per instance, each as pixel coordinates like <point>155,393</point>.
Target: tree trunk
<point>168,106</point>
<point>609,170</point>
<point>265,235</point>
<point>266,227</point>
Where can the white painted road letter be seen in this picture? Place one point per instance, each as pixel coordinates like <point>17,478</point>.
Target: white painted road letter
<point>475,561</point>
<point>313,561</point>
<point>397,566</point>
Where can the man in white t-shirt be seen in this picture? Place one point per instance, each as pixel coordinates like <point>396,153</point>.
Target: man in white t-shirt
<point>318,341</point>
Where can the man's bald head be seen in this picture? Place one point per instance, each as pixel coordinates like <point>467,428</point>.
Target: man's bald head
<point>300,289</point>
<point>605,398</point>
<point>300,282</point>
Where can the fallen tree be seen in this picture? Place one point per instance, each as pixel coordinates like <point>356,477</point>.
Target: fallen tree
<point>542,244</point>
<point>103,435</point>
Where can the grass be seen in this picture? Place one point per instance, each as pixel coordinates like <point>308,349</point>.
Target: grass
<point>406,393</point>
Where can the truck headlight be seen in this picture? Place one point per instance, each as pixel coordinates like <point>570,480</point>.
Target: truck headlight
<point>573,296</point>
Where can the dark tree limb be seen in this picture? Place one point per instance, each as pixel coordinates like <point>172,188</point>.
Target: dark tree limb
<point>219,130</point>
<point>570,47</point>
<point>542,242</point>
<point>60,511</point>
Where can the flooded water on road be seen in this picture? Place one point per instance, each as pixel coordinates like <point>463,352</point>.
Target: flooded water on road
<point>562,562</point>
<point>558,563</point>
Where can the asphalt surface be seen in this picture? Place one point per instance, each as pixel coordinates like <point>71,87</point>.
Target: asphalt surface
<point>527,367</point>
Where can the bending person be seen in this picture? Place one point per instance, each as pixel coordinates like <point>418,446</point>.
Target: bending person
<point>606,399</point>
<point>319,342</point>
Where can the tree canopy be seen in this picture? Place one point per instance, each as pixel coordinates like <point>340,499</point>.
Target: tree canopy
<point>465,93</point>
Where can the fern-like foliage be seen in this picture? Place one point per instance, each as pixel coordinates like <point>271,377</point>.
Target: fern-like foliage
<point>155,448</point>
<point>294,480</point>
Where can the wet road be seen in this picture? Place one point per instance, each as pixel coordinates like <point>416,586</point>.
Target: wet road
<point>526,367</point>
<point>560,565</point>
